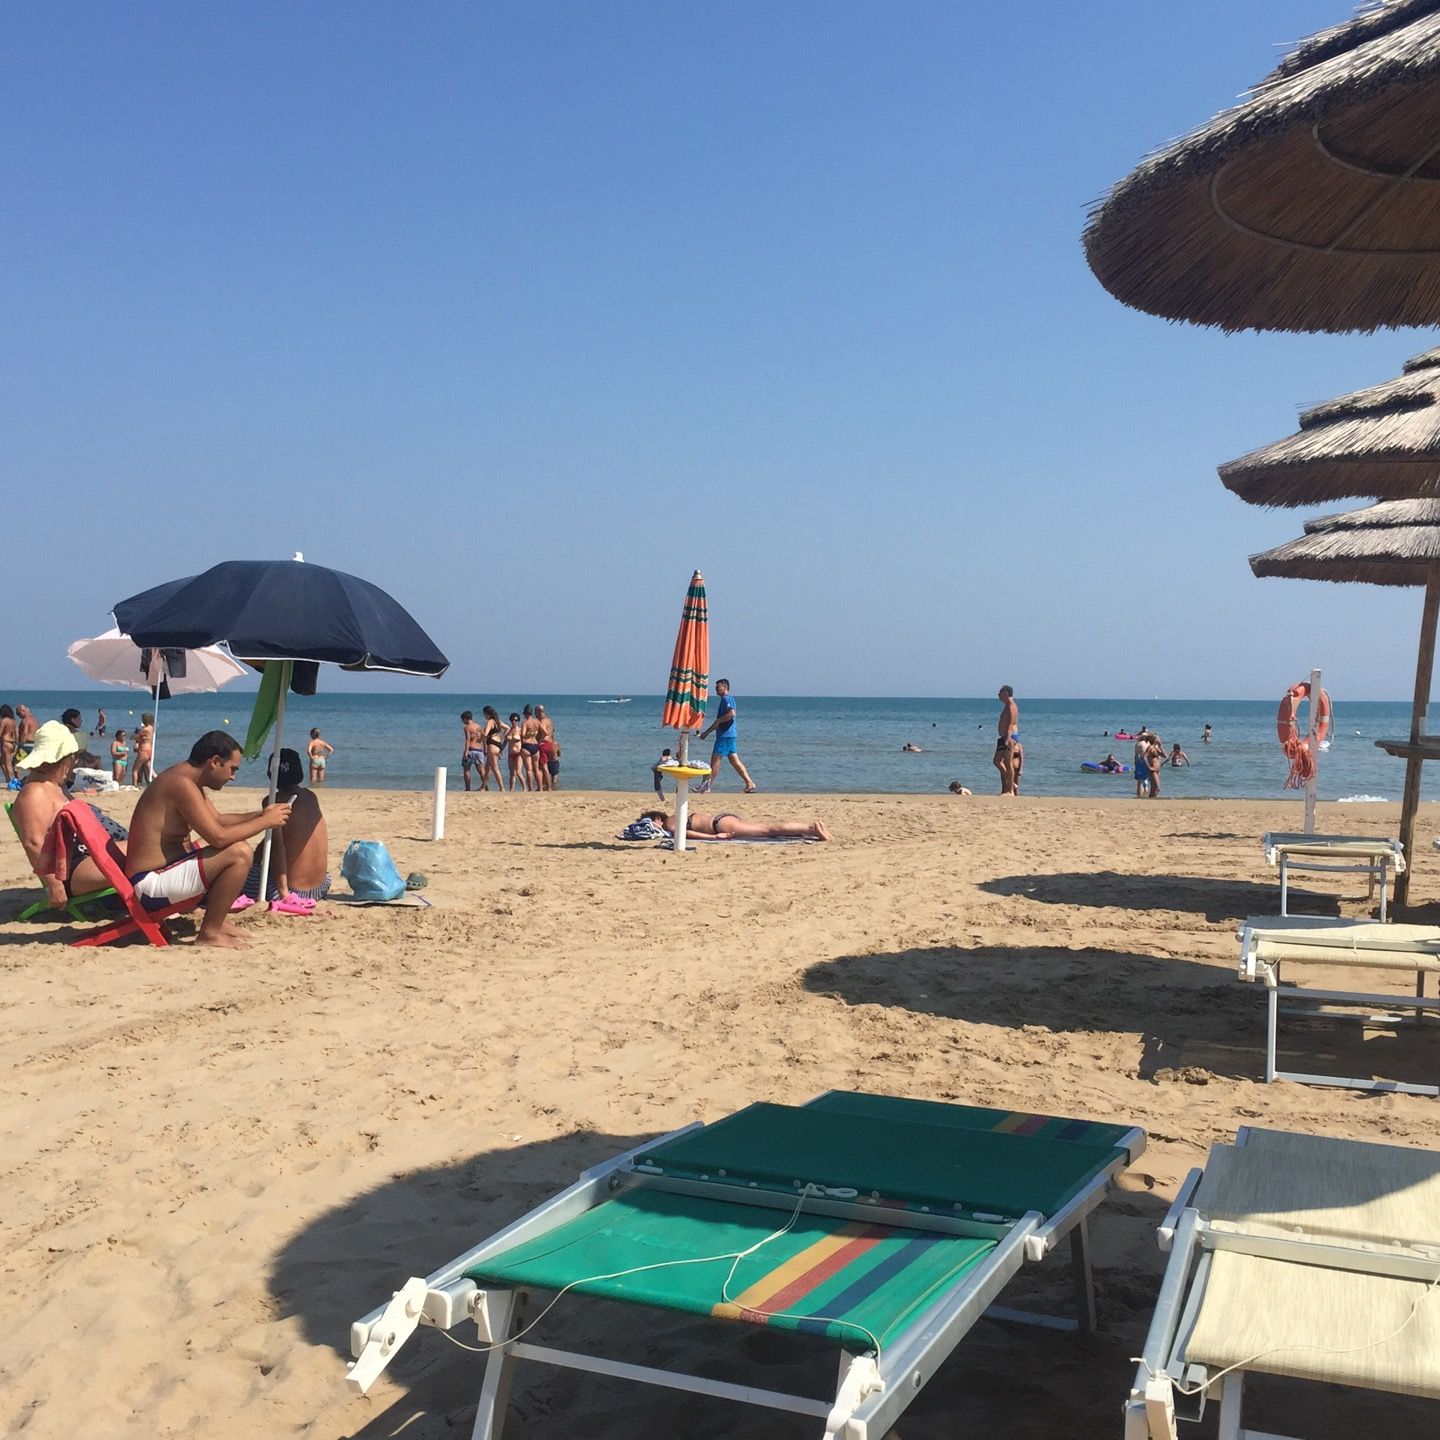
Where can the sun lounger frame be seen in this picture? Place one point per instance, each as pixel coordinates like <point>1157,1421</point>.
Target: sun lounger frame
<point>1190,1239</point>
<point>1397,1010</point>
<point>868,1399</point>
<point>1323,852</point>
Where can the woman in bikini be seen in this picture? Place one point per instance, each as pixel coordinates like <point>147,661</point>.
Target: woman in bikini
<point>119,757</point>
<point>701,826</point>
<point>319,752</point>
<point>9,738</point>
<point>530,747</point>
<point>514,755</point>
<point>494,738</point>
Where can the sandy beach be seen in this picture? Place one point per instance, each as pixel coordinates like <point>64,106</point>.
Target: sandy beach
<point>214,1161</point>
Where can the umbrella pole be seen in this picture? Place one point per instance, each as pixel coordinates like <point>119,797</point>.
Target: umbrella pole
<point>1312,785</point>
<point>1424,670</point>
<point>287,668</point>
<point>682,794</point>
<point>155,728</point>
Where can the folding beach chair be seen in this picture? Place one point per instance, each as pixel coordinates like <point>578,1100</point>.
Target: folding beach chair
<point>78,820</point>
<point>74,907</point>
<point>1268,943</point>
<point>1294,1255</point>
<point>888,1226</point>
<point>1364,855</point>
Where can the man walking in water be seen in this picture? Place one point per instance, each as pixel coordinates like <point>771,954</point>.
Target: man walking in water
<point>723,728</point>
<point>1009,757</point>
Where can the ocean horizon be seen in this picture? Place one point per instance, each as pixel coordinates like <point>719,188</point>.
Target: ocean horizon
<point>393,740</point>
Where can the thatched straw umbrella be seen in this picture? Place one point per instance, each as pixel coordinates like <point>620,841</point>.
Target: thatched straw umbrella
<point>1393,543</point>
<point>1314,204</point>
<point>1383,442</point>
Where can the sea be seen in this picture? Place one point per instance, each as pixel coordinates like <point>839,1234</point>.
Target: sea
<point>394,740</point>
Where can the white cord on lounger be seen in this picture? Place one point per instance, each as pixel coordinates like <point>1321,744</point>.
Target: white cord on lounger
<point>1280,1349</point>
<point>734,1256</point>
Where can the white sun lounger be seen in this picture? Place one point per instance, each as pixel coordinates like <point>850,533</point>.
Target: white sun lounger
<point>1268,943</point>
<point>1294,1255</point>
<point>1345,854</point>
<point>912,1217</point>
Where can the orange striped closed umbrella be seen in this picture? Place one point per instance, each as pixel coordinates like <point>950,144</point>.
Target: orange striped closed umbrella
<point>687,695</point>
<point>689,689</point>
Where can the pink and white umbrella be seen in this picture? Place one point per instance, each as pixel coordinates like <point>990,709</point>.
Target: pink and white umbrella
<point>115,659</point>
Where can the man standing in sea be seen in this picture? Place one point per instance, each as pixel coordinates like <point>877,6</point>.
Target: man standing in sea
<point>1009,757</point>
<point>723,728</point>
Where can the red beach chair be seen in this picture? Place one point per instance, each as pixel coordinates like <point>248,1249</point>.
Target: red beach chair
<point>77,820</point>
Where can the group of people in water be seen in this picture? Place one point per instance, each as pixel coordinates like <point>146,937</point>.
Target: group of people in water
<point>526,743</point>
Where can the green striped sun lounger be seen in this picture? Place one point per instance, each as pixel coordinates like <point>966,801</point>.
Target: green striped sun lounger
<point>886,1226</point>
<point>1295,1255</point>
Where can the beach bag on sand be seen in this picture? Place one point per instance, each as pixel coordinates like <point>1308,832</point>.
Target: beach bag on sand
<point>371,872</point>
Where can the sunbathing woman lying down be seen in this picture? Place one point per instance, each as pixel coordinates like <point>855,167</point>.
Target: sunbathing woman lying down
<point>731,827</point>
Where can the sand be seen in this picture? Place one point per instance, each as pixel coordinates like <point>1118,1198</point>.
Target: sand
<point>214,1161</point>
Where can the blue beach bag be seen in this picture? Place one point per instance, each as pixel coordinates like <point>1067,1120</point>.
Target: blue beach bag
<point>371,872</point>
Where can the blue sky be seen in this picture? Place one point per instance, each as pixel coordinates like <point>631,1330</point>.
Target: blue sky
<point>523,311</point>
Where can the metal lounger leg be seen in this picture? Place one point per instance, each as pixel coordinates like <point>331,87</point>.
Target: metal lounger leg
<point>1272,998</point>
<point>1232,1391</point>
<point>1383,869</point>
<point>1284,884</point>
<point>1084,1277</point>
<point>499,1370</point>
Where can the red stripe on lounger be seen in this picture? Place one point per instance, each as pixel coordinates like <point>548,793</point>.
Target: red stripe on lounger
<point>817,1275</point>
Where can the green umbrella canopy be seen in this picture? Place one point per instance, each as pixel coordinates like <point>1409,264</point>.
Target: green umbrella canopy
<point>1312,205</point>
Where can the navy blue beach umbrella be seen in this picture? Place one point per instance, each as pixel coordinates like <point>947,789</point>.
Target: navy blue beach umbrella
<point>287,614</point>
<point>283,610</point>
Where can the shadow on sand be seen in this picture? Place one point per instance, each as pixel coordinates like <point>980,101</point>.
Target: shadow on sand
<point>1217,899</point>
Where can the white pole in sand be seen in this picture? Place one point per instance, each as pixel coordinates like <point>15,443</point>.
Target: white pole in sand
<point>682,794</point>
<point>437,816</point>
<point>1313,783</point>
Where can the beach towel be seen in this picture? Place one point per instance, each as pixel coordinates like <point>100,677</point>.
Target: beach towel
<point>643,830</point>
<point>669,844</point>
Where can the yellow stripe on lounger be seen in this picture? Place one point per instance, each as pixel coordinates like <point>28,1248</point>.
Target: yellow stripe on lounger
<point>757,1295</point>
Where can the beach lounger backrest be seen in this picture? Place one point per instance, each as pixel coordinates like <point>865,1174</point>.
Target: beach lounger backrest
<point>1322,1188</point>
<point>914,1162</point>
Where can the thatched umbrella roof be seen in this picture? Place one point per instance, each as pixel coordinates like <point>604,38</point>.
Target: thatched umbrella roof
<point>1313,204</point>
<point>1383,442</point>
<point>1393,543</point>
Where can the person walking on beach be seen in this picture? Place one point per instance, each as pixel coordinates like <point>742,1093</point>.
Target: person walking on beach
<point>119,757</point>
<point>9,739</point>
<point>724,730</point>
<point>494,737</point>
<point>515,755</point>
<point>666,758</point>
<point>1009,757</point>
<point>530,748</point>
<point>545,753</point>
<point>319,752</point>
<point>472,749</point>
<point>142,768</point>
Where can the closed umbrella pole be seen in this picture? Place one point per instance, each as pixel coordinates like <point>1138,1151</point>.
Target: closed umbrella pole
<point>1424,674</point>
<point>287,669</point>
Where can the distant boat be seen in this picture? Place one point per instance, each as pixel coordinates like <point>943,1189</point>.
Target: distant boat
<point>618,700</point>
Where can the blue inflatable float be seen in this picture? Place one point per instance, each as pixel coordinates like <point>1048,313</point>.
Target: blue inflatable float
<point>1091,768</point>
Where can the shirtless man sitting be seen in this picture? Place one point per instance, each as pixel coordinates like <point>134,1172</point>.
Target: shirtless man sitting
<point>731,827</point>
<point>47,769</point>
<point>163,866</point>
<point>300,850</point>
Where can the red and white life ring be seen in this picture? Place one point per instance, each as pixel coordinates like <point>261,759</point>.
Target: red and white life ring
<point>1295,745</point>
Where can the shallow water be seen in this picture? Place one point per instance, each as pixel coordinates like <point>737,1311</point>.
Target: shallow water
<point>394,740</point>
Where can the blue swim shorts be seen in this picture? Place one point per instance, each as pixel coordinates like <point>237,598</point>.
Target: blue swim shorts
<point>724,745</point>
